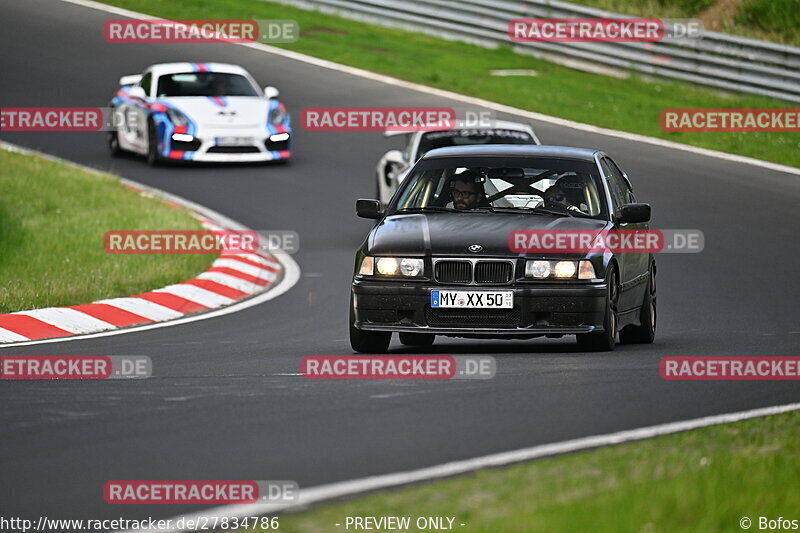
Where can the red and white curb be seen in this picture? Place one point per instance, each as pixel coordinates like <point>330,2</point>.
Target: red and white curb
<point>232,279</point>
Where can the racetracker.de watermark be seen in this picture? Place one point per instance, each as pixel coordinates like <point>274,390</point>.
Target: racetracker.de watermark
<point>730,368</point>
<point>181,242</point>
<point>200,31</point>
<point>614,240</point>
<point>274,241</point>
<point>26,367</point>
<point>61,119</point>
<point>731,120</point>
<point>199,492</point>
<point>377,118</point>
<point>398,367</point>
<point>621,30</point>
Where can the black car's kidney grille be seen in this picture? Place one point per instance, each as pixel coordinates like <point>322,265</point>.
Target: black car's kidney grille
<point>454,271</point>
<point>485,271</point>
<point>472,318</point>
<point>492,272</point>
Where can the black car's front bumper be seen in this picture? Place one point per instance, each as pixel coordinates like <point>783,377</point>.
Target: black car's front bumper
<point>542,309</point>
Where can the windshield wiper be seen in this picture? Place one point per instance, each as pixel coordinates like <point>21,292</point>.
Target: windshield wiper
<point>422,209</point>
<point>507,209</point>
<point>531,211</point>
<point>546,211</point>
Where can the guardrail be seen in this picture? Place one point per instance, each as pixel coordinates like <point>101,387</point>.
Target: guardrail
<point>717,60</point>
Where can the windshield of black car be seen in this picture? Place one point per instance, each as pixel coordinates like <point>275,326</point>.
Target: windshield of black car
<point>498,184</point>
<point>458,137</point>
<point>209,84</point>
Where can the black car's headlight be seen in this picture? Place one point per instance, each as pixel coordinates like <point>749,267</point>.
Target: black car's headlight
<point>545,269</point>
<point>409,267</point>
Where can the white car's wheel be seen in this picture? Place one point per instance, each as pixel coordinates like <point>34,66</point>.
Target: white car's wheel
<point>113,144</point>
<point>153,157</point>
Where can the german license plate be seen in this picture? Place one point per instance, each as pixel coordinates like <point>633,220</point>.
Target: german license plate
<point>473,299</point>
<point>235,141</point>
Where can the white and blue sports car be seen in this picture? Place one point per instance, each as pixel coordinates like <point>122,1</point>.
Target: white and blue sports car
<point>199,111</point>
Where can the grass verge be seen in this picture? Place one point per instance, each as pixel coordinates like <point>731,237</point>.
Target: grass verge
<point>52,221</point>
<point>632,105</point>
<point>768,20</point>
<point>702,480</point>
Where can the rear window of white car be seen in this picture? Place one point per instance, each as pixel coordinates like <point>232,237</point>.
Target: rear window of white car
<point>459,137</point>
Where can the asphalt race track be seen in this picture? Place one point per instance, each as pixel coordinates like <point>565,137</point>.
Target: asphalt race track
<point>220,405</point>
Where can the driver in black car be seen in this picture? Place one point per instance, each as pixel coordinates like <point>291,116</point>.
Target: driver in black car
<point>468,192</point>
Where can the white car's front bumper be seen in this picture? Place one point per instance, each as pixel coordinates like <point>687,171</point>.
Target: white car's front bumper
<point>215,146</point>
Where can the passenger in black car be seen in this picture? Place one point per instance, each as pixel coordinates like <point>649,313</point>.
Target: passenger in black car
<point>555,197</point>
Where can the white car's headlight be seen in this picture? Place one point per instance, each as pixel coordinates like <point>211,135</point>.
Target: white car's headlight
<point>277,115</point>
<point>543,269</point>
<point>279,137</point>
<point>177,117</point>
<point>182,137</point>
<point>409,267</point>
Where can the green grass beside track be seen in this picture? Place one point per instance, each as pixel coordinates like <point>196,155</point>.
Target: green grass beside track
<point>769,20</point>
<point>52,221</point>
<point>704,480</point>
<point>632,105</point>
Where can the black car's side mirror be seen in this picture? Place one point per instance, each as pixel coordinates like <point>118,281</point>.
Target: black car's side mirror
<point>633,214</point>
<point>366,208</point>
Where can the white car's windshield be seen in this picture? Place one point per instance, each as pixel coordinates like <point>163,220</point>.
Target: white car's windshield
<point>459,137</point>
<point>204,84</point>
<point>557,186</point>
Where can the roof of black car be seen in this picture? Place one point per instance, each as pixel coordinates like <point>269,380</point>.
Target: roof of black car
<point>513,150</point>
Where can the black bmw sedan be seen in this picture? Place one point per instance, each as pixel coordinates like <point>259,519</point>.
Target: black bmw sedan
<point>479,241</point>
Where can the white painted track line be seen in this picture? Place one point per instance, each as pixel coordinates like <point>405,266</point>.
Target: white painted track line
<point>312,495</point>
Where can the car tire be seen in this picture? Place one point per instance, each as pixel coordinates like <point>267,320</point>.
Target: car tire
<point>605,341</point>
<point>153,157</point>
<point>375,342</point>
<point>417,339</point>
<point>645,333</point>
<point>113,144</point>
